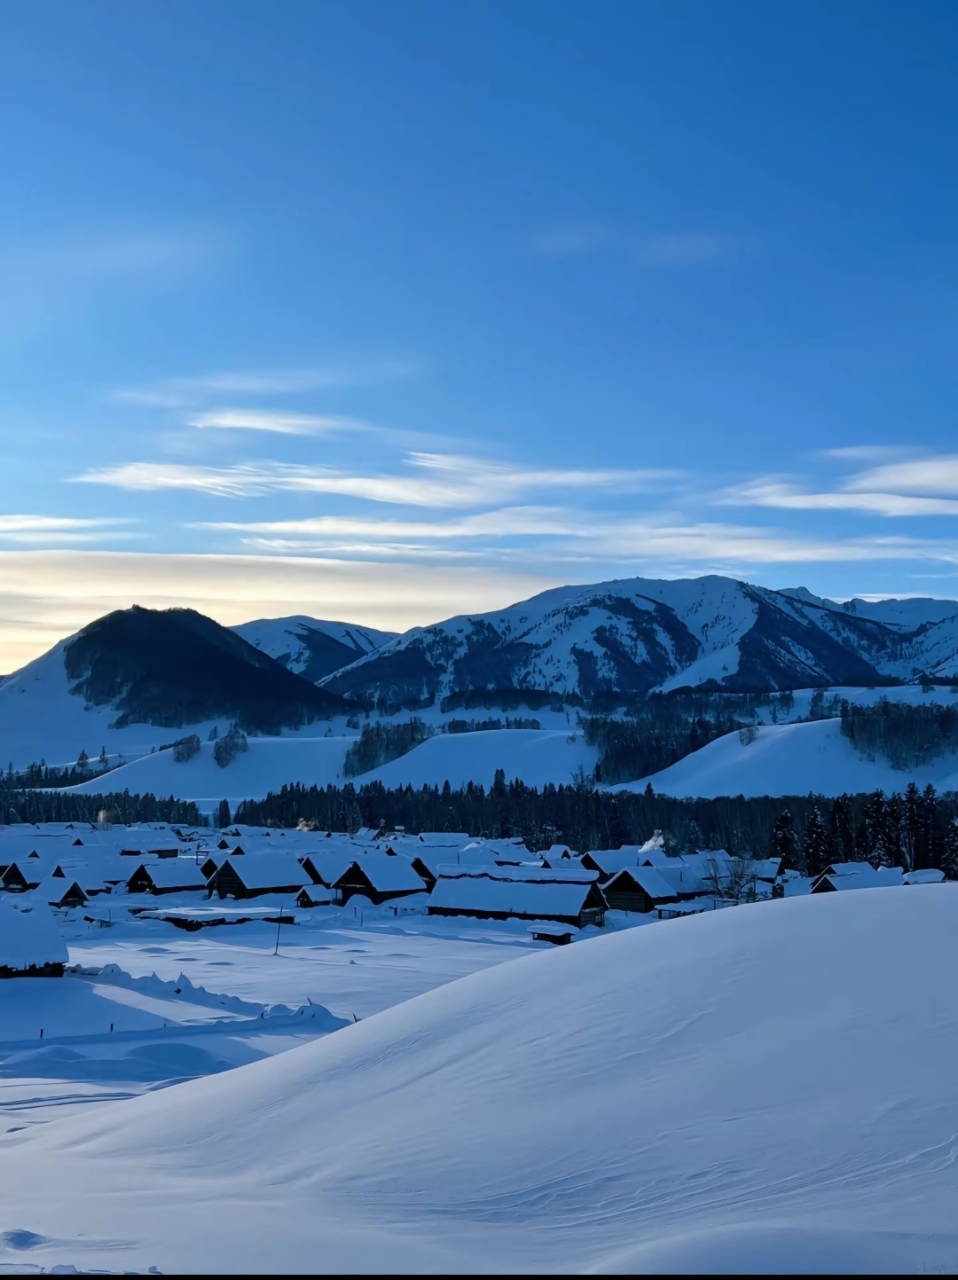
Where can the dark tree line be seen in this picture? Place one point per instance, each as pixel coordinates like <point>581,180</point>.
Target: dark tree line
<point>120,807</point>
<point>905,735</point>
<point>913,830</point>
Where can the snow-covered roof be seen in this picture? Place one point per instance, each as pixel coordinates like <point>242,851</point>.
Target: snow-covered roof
<point>444,839</point>
<point>30,937</point>
<point>387,874</point>
<point>868,877</point>
<point>613,860</point>
<point>927,875</point>
<point>176,873</point>
<point>521,898</point>
<point>53,889</point>
<point>524,873</point>
<point>269,870</point>
<point>648,878</point>
<point>329,864</point>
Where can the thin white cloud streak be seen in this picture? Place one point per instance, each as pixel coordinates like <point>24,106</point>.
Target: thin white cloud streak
<point>681,250</point>
<point>182,392</point>
<point>866,452</point>
<point>747,545</point>
<point>45,595</point>
<point>32,529</point>
<point>574,239</point>
<point>934,475</point>
<point>289,424</point>
<point>575,536</point>
<point>504,523</point>
<point>669,249</point>
<point>466,482</point>
<point>118,256</point>
<point>788,497</point>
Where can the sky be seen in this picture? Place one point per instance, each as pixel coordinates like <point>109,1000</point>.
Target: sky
<point>387,311</point>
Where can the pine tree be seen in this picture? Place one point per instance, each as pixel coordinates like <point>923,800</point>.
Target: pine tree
<point>899,853</point>
<point>876,833</point>
<point>103,758</point>
<point>784,844</point>
<point>82,761</point>
<point>843,834</point>
<point>223,814</point>
<point>949,857</point>
<point>815,844</point>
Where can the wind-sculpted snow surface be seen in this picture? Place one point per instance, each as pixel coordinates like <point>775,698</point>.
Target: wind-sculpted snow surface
<point>770,1087</point>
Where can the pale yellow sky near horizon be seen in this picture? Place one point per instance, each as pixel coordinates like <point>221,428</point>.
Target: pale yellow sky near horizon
<point>47,595</point>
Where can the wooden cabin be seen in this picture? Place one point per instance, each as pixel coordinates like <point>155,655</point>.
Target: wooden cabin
<point>258,874</point>
<point>639,889</point>
<point>181,875</point>
<point>524,893</point>
<point>378,877</point>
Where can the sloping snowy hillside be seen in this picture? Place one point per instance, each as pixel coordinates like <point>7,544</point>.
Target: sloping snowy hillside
<point>770,1088</point>
<point>312,648</point>
<point>537,756</point>
<point>789,759</point>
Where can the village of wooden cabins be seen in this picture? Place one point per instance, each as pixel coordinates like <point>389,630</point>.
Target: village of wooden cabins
<point>181,874</point>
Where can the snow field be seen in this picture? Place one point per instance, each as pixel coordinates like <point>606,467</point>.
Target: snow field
<point>742,1090</point>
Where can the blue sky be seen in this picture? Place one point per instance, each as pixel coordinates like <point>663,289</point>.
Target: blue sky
<point>391,310</point>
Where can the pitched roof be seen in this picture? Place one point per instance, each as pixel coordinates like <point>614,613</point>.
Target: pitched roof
<point>387,874</point>
<point>523,873</point>
<point>29,937</point>
<point>174,873</point>
<point>521,898</point>
<point>647,878</point>
<point>269,871</point>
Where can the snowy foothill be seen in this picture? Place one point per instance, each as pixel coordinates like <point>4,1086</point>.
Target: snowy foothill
<point>770,1088</point>
<point>790,759</point>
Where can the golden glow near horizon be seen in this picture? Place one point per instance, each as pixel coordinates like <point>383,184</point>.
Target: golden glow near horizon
<point>47,595</point>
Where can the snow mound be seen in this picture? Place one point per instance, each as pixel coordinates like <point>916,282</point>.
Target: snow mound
<point>769,1087</point>
<point>789,760</point>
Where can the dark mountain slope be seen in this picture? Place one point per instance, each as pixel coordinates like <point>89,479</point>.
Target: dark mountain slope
<point>175,667</point>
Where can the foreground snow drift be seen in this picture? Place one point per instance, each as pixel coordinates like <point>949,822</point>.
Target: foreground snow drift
<point>789,760</point>
<point>766,1087</point>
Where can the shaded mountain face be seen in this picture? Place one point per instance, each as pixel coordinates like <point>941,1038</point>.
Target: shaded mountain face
<point>176,667</point>
<point>310,647</point>
<point>621,640</point>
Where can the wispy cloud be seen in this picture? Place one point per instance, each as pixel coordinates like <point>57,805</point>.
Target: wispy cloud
<point>449,481</point>
<point>502,523</point>
<point>681,250</point>
<point>186,392</point>
<point>866,452</point>
<point>38,529</point>
<point>575,238</point>
<point>790,497</point>
<point>666,249</point>
<point>291,424</point>
<point>931,475</point>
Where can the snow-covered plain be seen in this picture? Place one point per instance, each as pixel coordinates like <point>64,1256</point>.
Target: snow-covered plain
<point>790,759</point>
<point>769,1088</point>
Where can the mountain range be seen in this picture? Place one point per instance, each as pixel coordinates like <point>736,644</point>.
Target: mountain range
<point>625,639</point>
<point>137,671</point>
